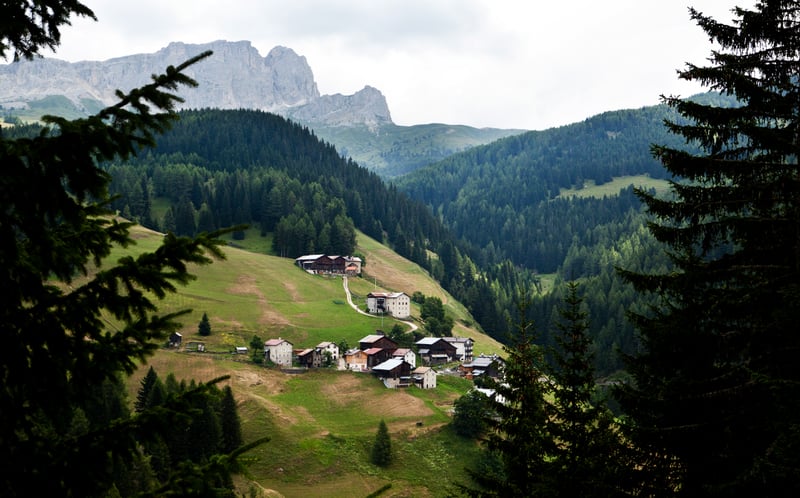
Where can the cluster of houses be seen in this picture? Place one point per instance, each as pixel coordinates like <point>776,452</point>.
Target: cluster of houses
<point>376,353</point>
<point>382,356</point>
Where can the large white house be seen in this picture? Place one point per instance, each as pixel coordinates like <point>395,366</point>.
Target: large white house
<point>278,351</point>
<point>397,304</point>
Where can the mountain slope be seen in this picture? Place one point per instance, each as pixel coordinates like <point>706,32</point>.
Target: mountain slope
<point>317,422</point>
<point>500,197</point>
<point>257,294</point>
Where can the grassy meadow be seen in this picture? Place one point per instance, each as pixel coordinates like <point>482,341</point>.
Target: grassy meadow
<point>321,423</point>
<point>612,188</point>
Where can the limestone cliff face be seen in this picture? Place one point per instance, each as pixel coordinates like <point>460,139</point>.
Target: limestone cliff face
<point>367,106</point>
<point>235,77</point>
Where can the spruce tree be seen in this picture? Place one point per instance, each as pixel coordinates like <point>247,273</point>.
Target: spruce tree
<point>145,386</point>
<point>56,344</point>
<point>717,384</point>
<point>519,431</point>
<point>204,327</point>
<point>589,456</point>
<point>229,421</point>
<point>381,454</point>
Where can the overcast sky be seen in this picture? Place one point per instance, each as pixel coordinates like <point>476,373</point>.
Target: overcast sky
<point>485,63</point>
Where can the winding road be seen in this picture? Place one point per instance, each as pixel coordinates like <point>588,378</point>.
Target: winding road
<point>358,310</point>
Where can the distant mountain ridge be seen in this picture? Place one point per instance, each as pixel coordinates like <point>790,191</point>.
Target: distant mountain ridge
<point>238,77</point>
<point>235,77</point>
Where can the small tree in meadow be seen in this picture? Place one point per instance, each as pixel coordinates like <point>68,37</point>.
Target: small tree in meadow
<point>204,327</point>
<point>382,448</point>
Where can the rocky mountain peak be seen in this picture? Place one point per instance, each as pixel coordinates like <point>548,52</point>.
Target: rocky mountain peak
<point>235,77</point>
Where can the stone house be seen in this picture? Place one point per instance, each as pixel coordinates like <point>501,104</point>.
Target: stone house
<point>329,347</point>
<point>424,377</point>
<point>397,304</point>
<point>278,351</point>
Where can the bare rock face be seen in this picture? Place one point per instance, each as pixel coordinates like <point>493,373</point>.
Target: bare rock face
<point>235,77</point>
<point>367,106</point>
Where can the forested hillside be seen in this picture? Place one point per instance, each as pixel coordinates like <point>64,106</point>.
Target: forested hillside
<point>221,168</point>
<point>502,201</point>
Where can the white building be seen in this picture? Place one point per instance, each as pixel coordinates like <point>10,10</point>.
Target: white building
<point>330,347</point>
<point>397,304</point>
<point>424,377</point>
<point>406,354</point>
<point>463,347</point>
<point>278,351</point>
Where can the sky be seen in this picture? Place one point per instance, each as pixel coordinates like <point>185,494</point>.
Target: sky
<point>485,63</point>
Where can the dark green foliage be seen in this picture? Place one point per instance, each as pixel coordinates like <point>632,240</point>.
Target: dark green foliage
<point>519,431</point>
<point>381,453</point>
<point>589,458</point>
<point>436,322</point>
<point>28,26</point>
<point>499,198</point>
<point>717,384</point>
<point>547,433</point>
<point>230,424</point>
<point>257,349</point>
<point>58,355</point>
<point>145,387</point>
<point>204,327</point>
<point>399,335</point>
<point>469,414</point>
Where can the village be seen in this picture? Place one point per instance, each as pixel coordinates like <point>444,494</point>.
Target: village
<point>377,354</point>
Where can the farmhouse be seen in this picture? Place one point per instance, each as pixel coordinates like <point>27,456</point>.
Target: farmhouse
<point>321,263</point>
<point>397,304</point>
<point>483,365</point>
<point>463,347</point>
<point>435,350</point>
<point>328,347</point>
<point>378,340</point>
<point>376,356</point>
<point>356,360</point>
<point>309,358</point>
<point>278,351</point>
<point>394,373</point>
<point>424,377</point>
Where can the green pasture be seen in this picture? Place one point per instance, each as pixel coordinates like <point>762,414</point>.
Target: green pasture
<point>612,188</point>
<point>255,294</point>
<point>322,425</point>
